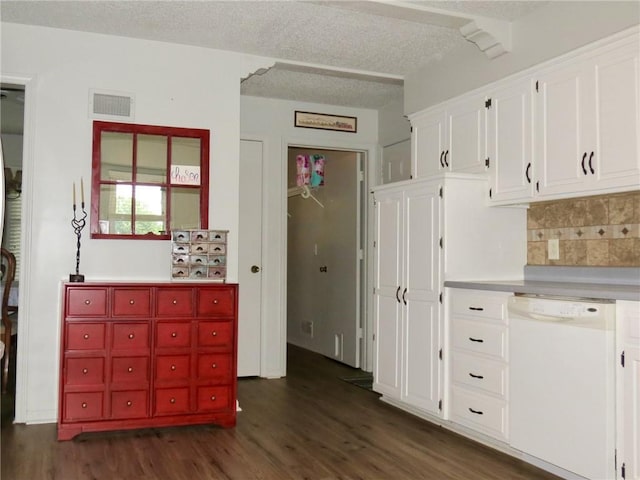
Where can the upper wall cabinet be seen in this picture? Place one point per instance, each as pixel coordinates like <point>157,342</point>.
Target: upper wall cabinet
<point>449,138</point>
<point>509,142</point>
<point>587,123</point>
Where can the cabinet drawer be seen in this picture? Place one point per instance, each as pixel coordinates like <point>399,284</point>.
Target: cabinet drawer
<point>130,336</point>
<point>215,366</point>
<point>129,404</point>
<point>215,334</point>
<point>213,398</point>
<point>174,302</point>
<point>174,334</point>
<point>83,406</point>
<point>130,369</point>
<point>216,302</point>
<point>486,414</point>
<point>85,336</point>
<point>171,401</point>
<point>87,302</point>
<point>131,302</point>
<point>84,371</point>
<point>479,373</point>
<point>480,338</point>
<point>172,367</point>
<point>479,305</point>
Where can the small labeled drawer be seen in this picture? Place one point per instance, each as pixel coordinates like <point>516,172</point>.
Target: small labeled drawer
<point>86,302</point>
<point>131,302</point>
<point>479,373</point>
<point>85,336</point>
<point>215,334</point>
<point>130,369</point>
<point>130,336</point>
<point>172,367</point>
<point>82,406</point>
<point>480,305</point>
<point>173,334</point>
<point>216,302</point>
<point>217,248</point>
<point>84,371</point>
<point>174,302</point>
<point>129,404</point>
<point>215,366</point>
<point>479,337</point>
<point>171,401</point>
<point>199,248</point>
<point>486,414</point>
<point>213,398</point>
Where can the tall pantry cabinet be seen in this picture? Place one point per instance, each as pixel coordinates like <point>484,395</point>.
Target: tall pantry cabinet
<point>428,231</point>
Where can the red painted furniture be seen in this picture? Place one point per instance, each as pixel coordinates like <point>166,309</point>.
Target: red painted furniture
<point>140,355</point>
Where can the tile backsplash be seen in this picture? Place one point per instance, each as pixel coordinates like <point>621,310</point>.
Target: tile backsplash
<point>592,231</point>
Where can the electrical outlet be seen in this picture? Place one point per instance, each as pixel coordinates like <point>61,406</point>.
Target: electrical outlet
<point>553,249</point>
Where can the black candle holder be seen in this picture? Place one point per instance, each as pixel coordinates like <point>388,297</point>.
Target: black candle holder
<point>78,223</point>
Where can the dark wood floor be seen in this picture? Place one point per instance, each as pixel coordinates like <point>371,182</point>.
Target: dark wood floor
<point>309,425</point>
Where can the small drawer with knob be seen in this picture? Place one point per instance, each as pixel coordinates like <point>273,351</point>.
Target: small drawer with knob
<point>215,334</point>
<point>130,336</point>
<point>172,367</point>
<point>215,367</point>
<point>129,370</point>
<point>129,404</point>
<point>173,334</point>
<point>84,371</point>
<point>83,406</point>
<point>485,414</point>
<point>131,302</point>
<point>85,336</point>
<point>213,398</point>
<point>86,302</point>
<point>483,338</point>
<point>174,302</point>
<point>216,302</point>
<point>171,401</point>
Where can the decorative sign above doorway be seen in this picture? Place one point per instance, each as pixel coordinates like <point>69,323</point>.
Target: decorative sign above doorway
<point>326,122</point>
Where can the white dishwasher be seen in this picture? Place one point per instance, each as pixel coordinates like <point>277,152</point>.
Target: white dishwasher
<point>562,382</point>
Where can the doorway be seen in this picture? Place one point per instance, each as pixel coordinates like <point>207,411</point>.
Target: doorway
<point>12,99</point>
<point>325,254</point>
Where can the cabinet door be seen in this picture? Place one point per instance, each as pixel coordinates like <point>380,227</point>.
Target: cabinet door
<point>616,113</point>
<point>387,289</point>
<point>560,151</point>
<point>420,298</point>
<point>509,143</point>
<point>428,137</point>
<point>466,147</point>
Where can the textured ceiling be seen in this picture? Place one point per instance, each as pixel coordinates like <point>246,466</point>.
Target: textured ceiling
<point>375,49</point>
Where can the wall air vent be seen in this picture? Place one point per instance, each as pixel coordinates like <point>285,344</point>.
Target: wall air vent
<point>110,105</point>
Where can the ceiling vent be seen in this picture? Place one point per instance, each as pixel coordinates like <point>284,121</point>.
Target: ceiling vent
<point>111,105</point>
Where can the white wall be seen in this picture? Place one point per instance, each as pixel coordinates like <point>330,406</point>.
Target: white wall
<point>173,85</point>
<point>272,121</point>
<point>557,28</point>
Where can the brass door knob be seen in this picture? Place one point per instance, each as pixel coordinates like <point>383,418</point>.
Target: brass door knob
<point>255,269</point>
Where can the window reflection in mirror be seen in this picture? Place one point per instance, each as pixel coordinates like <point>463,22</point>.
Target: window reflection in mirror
<point>148,180</point>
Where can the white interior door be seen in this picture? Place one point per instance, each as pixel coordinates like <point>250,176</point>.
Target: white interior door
<point>250,259</point>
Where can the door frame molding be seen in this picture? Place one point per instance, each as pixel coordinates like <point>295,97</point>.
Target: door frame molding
<point>370,153</point>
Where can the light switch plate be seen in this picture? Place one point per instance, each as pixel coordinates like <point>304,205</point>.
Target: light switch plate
<point>553,249</point>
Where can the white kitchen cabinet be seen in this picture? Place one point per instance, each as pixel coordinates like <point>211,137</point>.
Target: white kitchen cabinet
<point>509,121</point>
<point>450,137</point>
<point>628,389</point>
<point>478,361</point>
<point>587,122</point>
<point>428,231</point>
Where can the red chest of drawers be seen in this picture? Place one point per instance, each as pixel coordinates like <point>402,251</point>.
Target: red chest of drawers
<point>138,355</point>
